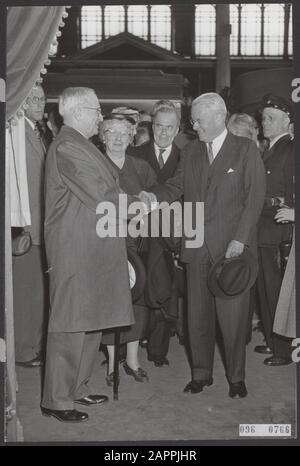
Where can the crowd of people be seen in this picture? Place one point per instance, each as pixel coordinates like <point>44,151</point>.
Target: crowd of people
<point>82,285</point>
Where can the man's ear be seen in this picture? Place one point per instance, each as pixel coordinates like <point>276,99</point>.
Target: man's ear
<point>77,112</point>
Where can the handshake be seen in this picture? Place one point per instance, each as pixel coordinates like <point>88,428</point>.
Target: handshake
<point>150,201</point>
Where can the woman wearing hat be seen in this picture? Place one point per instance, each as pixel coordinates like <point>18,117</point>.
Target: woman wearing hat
<point>135,175</point>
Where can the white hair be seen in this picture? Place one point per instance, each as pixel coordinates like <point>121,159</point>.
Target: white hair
<point>72,97</point>
<point>109,122</point>
<point>212,101</point>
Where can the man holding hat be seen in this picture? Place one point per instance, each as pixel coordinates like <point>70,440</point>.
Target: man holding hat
<point>279,166</point>
<point>226,173</point>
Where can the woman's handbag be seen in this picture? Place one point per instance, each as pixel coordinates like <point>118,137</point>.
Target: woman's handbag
<point>20,241</point>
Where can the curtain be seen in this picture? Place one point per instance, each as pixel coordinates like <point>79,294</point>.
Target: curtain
<point>30,32</point>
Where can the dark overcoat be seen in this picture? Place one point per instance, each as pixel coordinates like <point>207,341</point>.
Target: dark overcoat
<point>89,280</point>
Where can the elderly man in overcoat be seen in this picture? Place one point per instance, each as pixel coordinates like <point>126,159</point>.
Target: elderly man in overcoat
<point>89,281</point>
<point>227,174</point>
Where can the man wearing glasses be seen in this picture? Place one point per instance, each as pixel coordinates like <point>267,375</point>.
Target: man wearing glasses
<point>30,294</point>
<point>226,173</point>
<point>89,281</point>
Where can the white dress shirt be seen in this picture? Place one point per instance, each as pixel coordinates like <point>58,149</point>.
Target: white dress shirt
<point>165,154</point>
<point>218,142</point>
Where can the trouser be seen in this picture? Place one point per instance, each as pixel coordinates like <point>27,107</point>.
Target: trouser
<point>268,286</point>
<point>159,336</point>
<point>30,301</point>
<point>203,310</point>
<point>70,358</point>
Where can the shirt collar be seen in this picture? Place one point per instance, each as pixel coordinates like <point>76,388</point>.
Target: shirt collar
<point>31,123</point>
<point>166,153</point>
<point>218,142</point>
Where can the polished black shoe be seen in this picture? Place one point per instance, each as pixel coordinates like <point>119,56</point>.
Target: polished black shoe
<point>139,375</point>
<point>143,343</point>
<point>263,349</point>
<point>277,361</point>
<point>36,362</point>
<point>196,386</point>
<point>237,390</point>
<point>66,415</point>
<point>92,400</point>
<point>160,362</point>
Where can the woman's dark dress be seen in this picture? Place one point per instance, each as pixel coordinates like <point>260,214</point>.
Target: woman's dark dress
<point>136,175</point>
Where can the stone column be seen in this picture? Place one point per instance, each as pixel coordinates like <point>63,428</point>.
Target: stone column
<point>223,29</point>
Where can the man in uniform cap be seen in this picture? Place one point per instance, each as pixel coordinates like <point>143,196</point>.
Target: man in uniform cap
<point>279,165</point>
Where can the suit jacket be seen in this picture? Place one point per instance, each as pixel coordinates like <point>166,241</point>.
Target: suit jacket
<point>232,189</point>
<point>35,163</point>
<point>160,266</point>
<point>279,167</point>
<point>89,280</point>
<point>146,152</point>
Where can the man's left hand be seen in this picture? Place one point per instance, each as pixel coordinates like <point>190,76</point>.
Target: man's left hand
<point>234,249</point>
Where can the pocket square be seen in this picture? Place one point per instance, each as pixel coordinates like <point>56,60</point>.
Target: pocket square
<point>230,170</point>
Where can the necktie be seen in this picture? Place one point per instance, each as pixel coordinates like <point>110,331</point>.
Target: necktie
<point>160,158</point>
<point>210,153</point>
<point>38,135</point>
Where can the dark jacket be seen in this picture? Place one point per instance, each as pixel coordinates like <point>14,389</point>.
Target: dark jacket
<point>279,167</point>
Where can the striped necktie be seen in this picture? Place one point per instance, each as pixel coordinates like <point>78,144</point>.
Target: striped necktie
<point>210,152</point>
<point>160,158</point>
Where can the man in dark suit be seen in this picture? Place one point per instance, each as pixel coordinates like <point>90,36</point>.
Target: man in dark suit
<point>163,155</point>
<point>29,279</point>
<point>88,271</point>
<point>227,174</point>
<point>279,165</point>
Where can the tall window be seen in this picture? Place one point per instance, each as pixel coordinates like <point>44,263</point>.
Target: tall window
<point>138,20</point>
<point>290,35</point>
<point>251,29</point>
<point>273,29</point>
<point>91,25</point>
<point>235,22</point>
<point>150,22</point>
<point>114,20</point>
<point>205,30</point>
<point>160,25</point>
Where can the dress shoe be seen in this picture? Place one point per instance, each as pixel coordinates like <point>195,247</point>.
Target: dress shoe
<point>159,362</point>
<point>36,362</point>
<point>196,386</point>
<point>277,361</point>
<point>139,375</point>
<point>67,415</point>
<point>92,400</point>
<point>263,349</point>
<point>110,379</point>
<point>237,390</point>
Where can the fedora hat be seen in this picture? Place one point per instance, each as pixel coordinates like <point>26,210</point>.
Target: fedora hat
<point>137,274</point>
<point>229,278</point>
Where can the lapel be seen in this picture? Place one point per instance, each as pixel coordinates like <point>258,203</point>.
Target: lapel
<point>267,154</point>
<point>35,144</point>
<point>197,167</point>
<point>91,150</point>
<point>224,160</point>
<point>152,158</point>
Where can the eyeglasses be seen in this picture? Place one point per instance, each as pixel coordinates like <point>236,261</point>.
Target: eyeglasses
<point>193,122</point>
<point>98,109</point>
<point>115,134</point>
<point>35,99</point>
